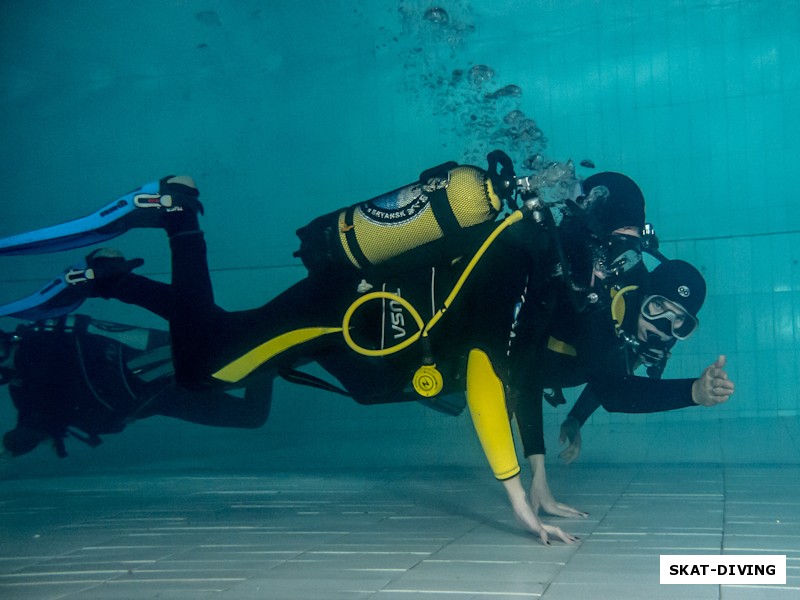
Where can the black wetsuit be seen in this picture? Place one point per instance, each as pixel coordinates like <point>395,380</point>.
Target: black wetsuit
<point>599,360</point>
<point>84,378</point>
<point>498,323</point>
<point>507,309</point>
<point>206,337</point>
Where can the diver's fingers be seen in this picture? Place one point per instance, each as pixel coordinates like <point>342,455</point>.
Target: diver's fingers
<point>569,454</point>
<point>724,386</point>
<point>560,534</point>
<point>563,510</point>
<point>543,537</point>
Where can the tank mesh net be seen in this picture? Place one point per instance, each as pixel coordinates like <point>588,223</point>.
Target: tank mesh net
<point>468,199</point>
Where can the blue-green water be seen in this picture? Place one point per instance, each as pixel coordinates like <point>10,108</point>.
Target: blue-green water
<point>282,111</point>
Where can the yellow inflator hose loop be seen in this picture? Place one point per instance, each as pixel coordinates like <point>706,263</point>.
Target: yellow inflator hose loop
<point>424,328</point>
<point>618,305</point>
<point>385,351</point>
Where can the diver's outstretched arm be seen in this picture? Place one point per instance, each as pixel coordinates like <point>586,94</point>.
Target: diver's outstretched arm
<point>487,406</point>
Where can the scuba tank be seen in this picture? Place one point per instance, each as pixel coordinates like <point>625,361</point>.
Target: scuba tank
<point>444,205</point>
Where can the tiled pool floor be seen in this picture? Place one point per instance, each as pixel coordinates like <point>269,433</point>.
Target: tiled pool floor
<point>404,534</point>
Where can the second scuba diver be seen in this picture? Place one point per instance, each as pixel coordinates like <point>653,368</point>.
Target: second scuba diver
<point>650,319</point>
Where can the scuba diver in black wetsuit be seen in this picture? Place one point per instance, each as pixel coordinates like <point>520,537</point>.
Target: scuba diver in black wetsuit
<point>649,321</point>
<point>602,343</point>
<point>212,346</point>
<point>77,377</point>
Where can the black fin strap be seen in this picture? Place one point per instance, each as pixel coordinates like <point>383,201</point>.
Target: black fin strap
<point>554,397</point>
<point>300,378</point>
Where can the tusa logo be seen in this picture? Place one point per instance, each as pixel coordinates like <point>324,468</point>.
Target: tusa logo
<point>397,318</point>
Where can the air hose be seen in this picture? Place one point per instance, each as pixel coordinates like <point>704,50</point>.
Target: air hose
<point>427,380</point>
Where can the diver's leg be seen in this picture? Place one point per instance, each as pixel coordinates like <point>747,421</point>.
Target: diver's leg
<point>216,408</point>
<point>196,324</point>
<point>212,345</point>
<point>368,380</point>
<point>154,296</point>
<point>142,208</point>
<point>206,338</point>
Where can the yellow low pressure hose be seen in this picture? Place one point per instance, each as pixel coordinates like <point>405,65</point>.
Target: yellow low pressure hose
<point>348,315</point>
<point>424,328</point>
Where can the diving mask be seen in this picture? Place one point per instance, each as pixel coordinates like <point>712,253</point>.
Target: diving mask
<point>669,317</point>
<point>617,255</point>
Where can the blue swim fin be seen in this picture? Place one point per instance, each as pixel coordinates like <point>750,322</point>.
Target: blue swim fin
<point>139,208</point>
<point>59,297</point>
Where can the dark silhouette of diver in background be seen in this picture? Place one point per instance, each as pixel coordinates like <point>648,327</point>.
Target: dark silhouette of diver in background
<point>82,378</point>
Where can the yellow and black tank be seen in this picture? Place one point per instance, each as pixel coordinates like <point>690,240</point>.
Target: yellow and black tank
<point>434,212</point>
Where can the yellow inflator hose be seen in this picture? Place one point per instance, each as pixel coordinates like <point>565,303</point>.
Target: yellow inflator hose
<point>424,328</point>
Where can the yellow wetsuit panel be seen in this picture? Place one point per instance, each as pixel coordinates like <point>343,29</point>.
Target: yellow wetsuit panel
<point>246,364</point>
<point>487,405</point>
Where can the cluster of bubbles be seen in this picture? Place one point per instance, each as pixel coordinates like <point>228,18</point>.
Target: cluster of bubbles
<point>475,111</point>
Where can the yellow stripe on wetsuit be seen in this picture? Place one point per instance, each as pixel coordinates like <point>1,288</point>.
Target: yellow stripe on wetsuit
<point>487,405</point>
<point>246,364</point>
